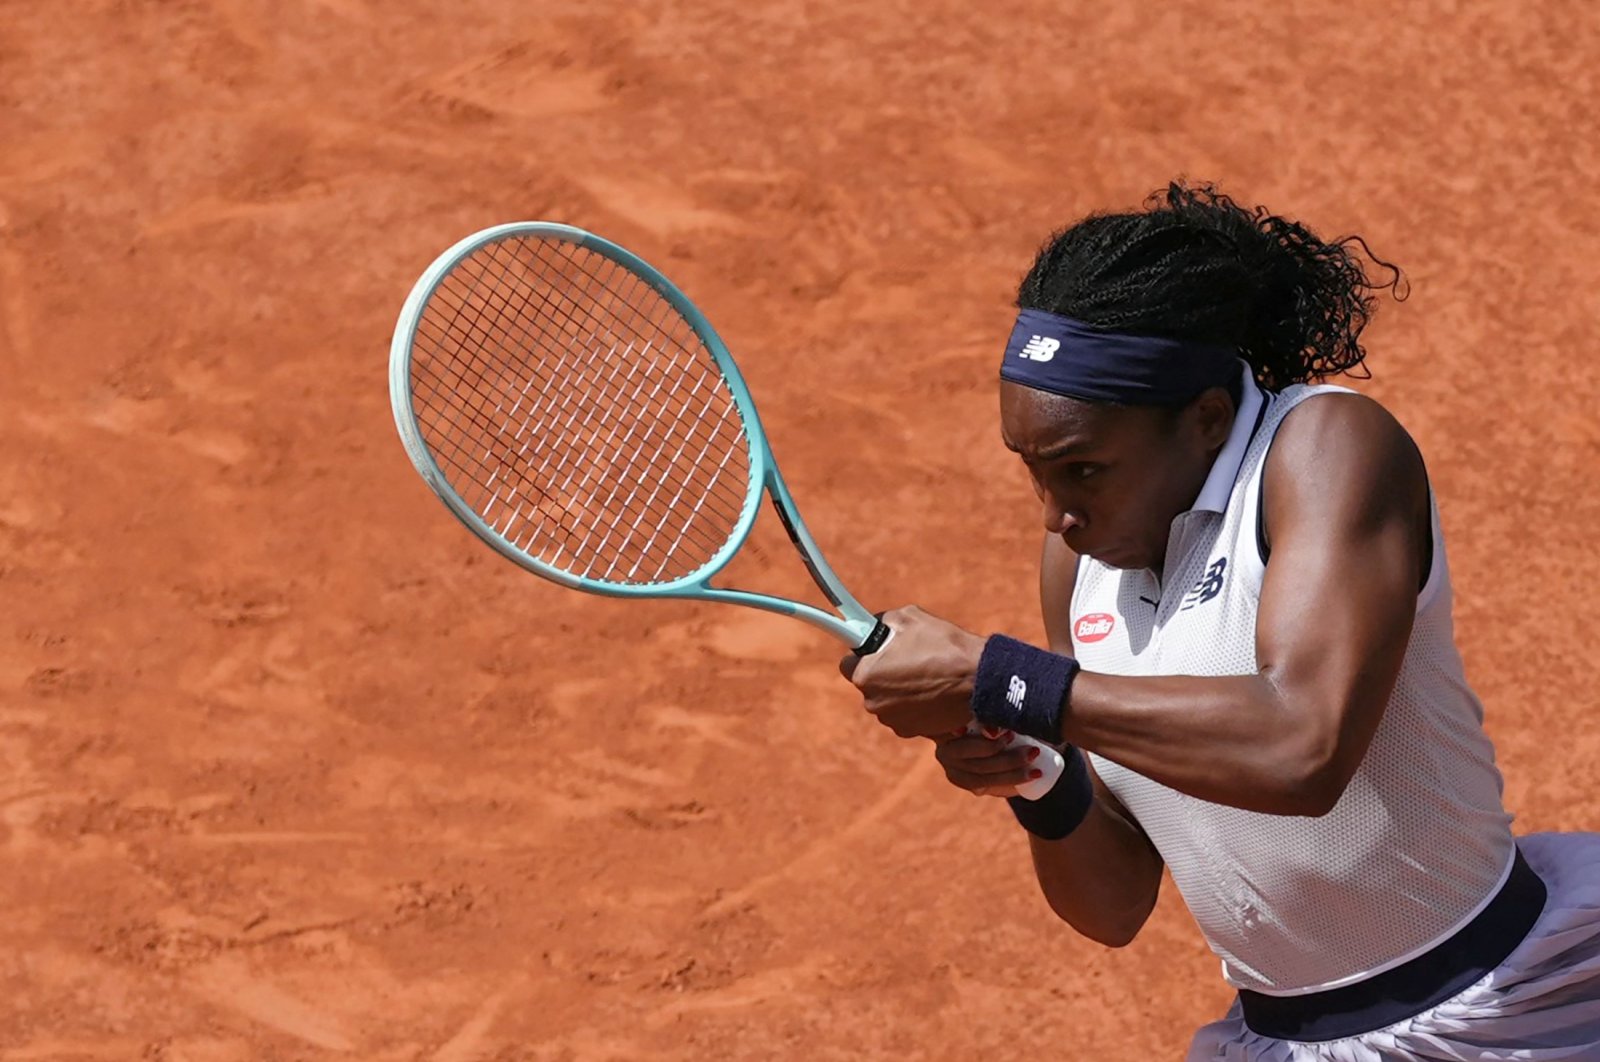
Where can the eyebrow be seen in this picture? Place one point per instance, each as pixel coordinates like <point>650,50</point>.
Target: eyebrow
<point>1053,453</point>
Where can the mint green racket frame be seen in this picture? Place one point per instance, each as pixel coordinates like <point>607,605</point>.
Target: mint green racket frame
<point>852,624</point>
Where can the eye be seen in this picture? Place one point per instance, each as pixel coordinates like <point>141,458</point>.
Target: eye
<point>1084,469</point>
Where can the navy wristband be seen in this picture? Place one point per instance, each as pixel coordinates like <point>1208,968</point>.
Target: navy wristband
<point>1021,688</point>
<point>1061,810</point>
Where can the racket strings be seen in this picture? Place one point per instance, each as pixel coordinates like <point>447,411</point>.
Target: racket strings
<point>578,413</point>
<point>619,481</point>
<point>566,422</point>
<point>577,389</point>
<point>516,498</point>
<point>729,504</point>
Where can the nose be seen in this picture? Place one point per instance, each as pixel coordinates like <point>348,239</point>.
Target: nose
<point>1059,518</point>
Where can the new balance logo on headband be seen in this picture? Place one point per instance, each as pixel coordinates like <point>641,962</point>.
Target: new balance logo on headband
<point>1041,348</point>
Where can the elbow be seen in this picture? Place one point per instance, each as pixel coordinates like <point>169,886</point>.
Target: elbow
<point>1111,929</point>
<point>1108,932</point>
<point>1119,939</point>
<point>1308,779</point>
<point>1316,794</point>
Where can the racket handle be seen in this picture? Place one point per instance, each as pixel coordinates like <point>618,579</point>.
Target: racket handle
<point>1050,764</point>
<point>876,640</point>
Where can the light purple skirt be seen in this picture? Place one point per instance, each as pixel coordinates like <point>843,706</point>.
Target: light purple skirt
<point>1542,1003</point>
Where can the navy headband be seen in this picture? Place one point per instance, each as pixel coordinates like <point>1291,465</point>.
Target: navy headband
<point>1067,357</point>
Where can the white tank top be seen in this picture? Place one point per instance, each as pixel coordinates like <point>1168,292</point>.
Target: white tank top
<point>1418,842</point>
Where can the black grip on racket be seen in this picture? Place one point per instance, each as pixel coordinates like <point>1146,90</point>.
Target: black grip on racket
<point>875,640</point>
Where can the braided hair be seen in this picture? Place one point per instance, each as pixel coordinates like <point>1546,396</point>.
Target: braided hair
<point>1196,265</point>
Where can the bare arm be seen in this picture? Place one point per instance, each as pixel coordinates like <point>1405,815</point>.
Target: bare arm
<point>1102,879</point>
<point>1348,521</point>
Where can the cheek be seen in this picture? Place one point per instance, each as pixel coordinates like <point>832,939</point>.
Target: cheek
<point>1125,506</point>
<point>1150,505</point>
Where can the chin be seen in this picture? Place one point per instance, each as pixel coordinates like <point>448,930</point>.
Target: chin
<point>1122,561</point>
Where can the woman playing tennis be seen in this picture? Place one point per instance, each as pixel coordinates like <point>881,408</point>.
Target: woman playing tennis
<point>1252,666</point>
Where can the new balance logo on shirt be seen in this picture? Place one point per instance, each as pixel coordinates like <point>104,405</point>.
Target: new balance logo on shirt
<point>1209,586</point>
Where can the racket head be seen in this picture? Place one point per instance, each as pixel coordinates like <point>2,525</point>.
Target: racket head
<point>431,319</point>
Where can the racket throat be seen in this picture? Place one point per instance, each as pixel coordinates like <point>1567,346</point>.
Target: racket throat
<point>804,547</point>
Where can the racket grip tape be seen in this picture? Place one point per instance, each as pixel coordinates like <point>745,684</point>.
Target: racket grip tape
<point>875,640</point>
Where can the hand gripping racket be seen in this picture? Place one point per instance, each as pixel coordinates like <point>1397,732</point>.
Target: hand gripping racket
<point>578,414</point>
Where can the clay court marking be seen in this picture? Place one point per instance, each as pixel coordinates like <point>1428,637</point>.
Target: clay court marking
<point>820,855</point>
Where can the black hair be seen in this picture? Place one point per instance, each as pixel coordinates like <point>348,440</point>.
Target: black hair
<point>1194,264</point>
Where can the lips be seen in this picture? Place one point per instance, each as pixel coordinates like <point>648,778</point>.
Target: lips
<point>1103,554</point>
<point>1114,556</point>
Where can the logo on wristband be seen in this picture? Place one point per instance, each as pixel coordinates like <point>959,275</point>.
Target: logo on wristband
<point>1016,691</point>
<point>1095,627</point>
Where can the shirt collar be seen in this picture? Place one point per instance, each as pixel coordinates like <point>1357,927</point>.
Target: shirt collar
<point>1218,487</point>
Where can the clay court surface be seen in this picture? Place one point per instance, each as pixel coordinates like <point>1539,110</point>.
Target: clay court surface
<point>291,767</point>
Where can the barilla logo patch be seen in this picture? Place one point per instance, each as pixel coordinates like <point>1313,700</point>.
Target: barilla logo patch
<point>1041,348</point>
<point>1094,627</point>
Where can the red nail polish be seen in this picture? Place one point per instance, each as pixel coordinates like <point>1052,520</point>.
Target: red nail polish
<point>1033,754</point>
<point>1035,773</point>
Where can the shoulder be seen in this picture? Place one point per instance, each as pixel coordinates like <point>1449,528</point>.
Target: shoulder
<point>1341,452</point>
<point>1343,432</point>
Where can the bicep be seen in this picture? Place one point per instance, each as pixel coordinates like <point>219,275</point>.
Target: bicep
<point>1348,518</point>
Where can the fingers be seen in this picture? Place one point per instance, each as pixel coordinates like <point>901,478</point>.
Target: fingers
<point>979,764</point>
<point>897,617</point>
<point>971,748</point>
<point>987,766</point>
<point>983,784</point>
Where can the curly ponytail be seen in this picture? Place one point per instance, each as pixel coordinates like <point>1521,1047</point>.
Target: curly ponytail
<point>1196,265</point>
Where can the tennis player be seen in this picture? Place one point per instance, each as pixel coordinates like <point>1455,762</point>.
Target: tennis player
<point>1252,667</point>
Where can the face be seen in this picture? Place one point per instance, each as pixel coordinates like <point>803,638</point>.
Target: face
<point>1111,478</point>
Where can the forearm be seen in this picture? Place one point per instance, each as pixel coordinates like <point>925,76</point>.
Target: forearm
<point>1230,740</point>
<point>1102,878</point>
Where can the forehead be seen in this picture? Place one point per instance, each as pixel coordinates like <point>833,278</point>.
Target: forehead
<point>1035,422</point>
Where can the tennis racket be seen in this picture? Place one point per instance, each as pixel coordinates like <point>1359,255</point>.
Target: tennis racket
<point>578,414</point>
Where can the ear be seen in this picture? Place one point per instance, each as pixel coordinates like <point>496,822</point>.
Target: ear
<point>1212,414</point>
